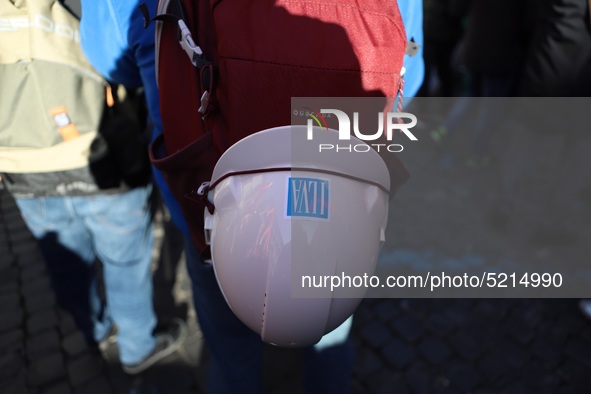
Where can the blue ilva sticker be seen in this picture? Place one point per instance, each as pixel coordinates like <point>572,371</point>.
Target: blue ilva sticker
<point>308,197</point>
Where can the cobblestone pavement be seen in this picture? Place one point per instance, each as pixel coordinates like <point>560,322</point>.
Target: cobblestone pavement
<point>416,345</point>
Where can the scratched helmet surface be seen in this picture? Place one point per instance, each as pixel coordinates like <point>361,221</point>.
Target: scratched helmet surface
<point>287,215</point>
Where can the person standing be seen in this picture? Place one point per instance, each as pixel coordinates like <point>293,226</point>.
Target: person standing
<point>89,206</point>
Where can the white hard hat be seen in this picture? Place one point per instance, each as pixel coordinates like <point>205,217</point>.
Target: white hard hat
<point>285,209</point>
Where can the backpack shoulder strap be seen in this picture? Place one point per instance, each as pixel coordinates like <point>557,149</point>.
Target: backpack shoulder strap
<point>172,11</point>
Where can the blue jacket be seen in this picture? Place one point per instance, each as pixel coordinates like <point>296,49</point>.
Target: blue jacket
<point>412,16</point>
<point>116,43</point>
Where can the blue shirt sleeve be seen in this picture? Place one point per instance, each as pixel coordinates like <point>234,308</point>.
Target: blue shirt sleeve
<point>119,47</point>
<point>107,31</point>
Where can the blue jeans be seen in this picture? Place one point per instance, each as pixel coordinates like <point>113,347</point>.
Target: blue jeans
<point>72,233</point>
<point>237,351</point>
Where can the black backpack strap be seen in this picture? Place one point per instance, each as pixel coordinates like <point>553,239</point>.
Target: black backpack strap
<point>73,6</point>
<point>207,69</point>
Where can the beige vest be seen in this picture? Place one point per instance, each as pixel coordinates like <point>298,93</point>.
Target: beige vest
<point>51,99</point>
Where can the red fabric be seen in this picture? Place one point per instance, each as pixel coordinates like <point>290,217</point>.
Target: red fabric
<point>269,51</point>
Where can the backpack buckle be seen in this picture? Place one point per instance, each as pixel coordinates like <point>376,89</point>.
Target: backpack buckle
<point>199,195</point>
<point>204,103</point>
<point>188,44</point>
<point>208,78</point>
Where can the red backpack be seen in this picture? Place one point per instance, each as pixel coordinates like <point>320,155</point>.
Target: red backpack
<point>240,63</point>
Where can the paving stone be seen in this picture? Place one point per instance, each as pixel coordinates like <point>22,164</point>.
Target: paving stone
<point>75,344</point>
<point>12,218</point>
<point>11,340</point>
<point>421,378</point>
<point>484,391</point>
<point>10,364</point>
<point>84,369</point>
<point>31,271</point>
<point>398,354</point>
<point>575,374</point>
<point>514,356</point>
<point>9,280</point>
<point>439,324</point>
<point>518,329</point>
<point>408,327</point>
<point>386,310</point>
<point>40,302</point>
<point>404,304</point>
<point>534,312</point>
<point>579,350</point>
<point>168,376</point>
<point>7,261</point>
<point>443,386</point>
<point>41,321</point>
<point>513,388</point>
<point>58,388</point>
<point>419,306</point>
<point>8,204</point>
<point>376,334</point>
<point>458,315</point>
<point>67,325</point>
<point>21,247</point>
<point>493,366</point>
<point>46,370</point>
<point>540,379</point>
<point>31,258</point>
<point>9,287</point>
<point>371,303</point>
<point>10,302</point>
<point>560,332</point>
<point>487,332</point>
<point>16,385</point>
<point>385,382</point>
<point>43,343</point>
<point>557,306</point>
<point>102,386</point>
<point>488,310</point>
<point>465,304</point>
<point>39,285</point>
<point>435,350</point>
<point>586,334</point>
<point>574,321</point>
<point>11,319</point>
<point>21,236</point>
<point>15,223</point>
<point>468,344</point>
<point>4,240</point>
<point>366,363</point>
<point>462,375</point>
<point>568,390</point>
<point>548,349</point>
<point>363,314</point>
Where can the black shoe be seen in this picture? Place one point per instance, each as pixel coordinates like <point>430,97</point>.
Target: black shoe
<point>166,344</point>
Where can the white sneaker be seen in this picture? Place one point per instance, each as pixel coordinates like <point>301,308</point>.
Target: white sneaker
<point>166,344</point>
